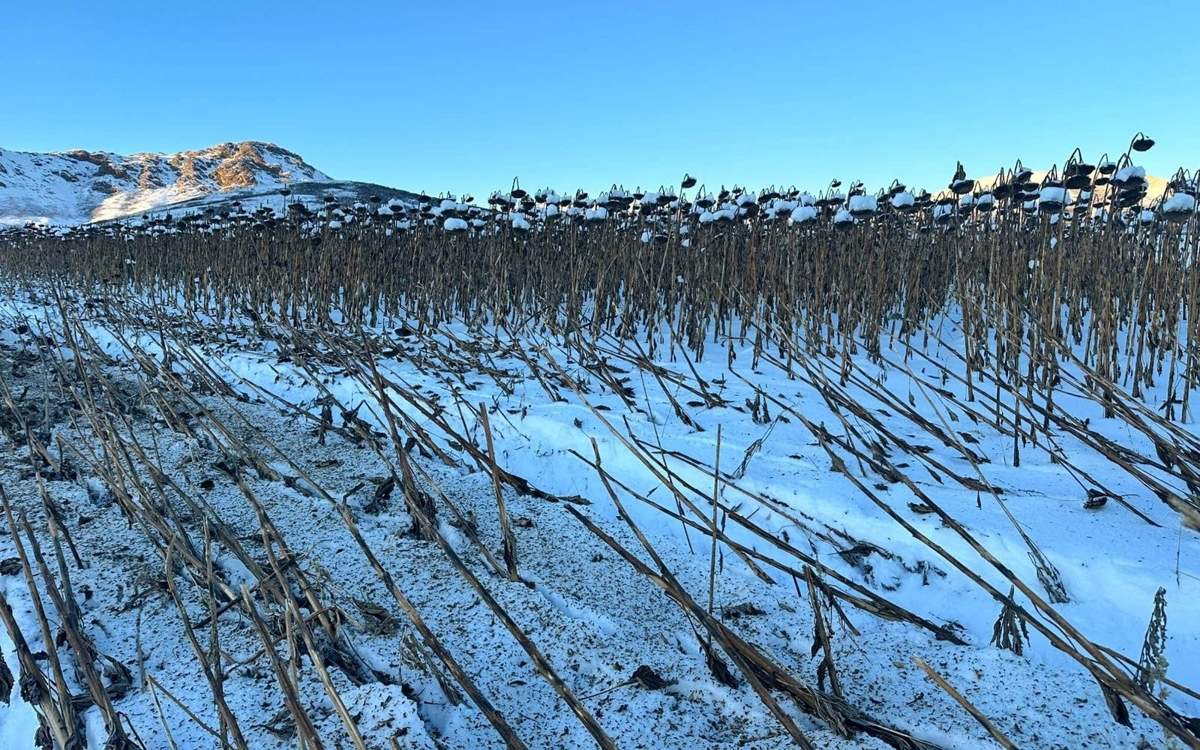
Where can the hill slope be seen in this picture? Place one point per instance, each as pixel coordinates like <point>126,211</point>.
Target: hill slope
<point>76,187</point>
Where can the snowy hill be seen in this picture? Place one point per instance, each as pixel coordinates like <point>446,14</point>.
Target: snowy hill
<point>76,187</point>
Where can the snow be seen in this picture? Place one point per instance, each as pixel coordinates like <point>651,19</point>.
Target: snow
<point>18,721</point>
<point>1052,196</point>
<point>449,206</point>
<point>1179,203</point>
<point>802,214</point>
<point>1125,174</point>
<point>726,213</point>
<point>603,620</point>
<point>863,204</point>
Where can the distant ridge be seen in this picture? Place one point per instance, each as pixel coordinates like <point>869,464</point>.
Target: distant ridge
<point>79,187</point>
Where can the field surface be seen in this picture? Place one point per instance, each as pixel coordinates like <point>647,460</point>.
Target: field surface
<point>637,480</point>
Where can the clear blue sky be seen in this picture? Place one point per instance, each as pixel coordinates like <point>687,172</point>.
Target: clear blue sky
<point>463,95</point>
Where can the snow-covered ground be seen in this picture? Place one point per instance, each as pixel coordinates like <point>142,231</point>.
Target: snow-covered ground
<point>785,505</point>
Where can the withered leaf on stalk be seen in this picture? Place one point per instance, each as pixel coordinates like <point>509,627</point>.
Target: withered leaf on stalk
<point>6,682</point>
<point>383,493</point>
<point>1116,706</point>
<point>120,679</point>
<point>281,725</point>
<point>718,667</point>
<point>32,688</point>
<point>649,679</point>
<point>376,619</point>
<point>745,609</point>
